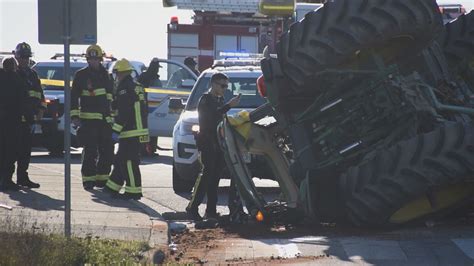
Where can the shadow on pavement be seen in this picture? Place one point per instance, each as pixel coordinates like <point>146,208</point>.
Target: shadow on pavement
<point>175,216</point>
<point>31,199</point>
<point>161,159</point>
<point>104,198</point>
<point>47,159</point>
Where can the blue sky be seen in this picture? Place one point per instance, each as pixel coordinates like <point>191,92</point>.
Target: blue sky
<point>135,29</point>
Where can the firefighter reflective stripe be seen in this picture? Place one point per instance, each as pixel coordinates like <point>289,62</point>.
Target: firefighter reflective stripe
<point>133,190</point>
<point>112,185</point>
<point>89,178</point>
<point>75,112</point>
<point>109,96</point>
<point>130,173</point>
<point>138,115</point>
<point>44,104</point>
<point>34,94</point>
<point>140,92</point>
<point>140,131</point>
<point>96,92</point>
<point>23,119</point>
<point>117,127</point>
<point>109,119</point>
<point>133,133</point>
<point>83,115</point>
<point>102,177</point>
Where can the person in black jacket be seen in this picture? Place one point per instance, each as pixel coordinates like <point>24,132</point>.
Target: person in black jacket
<point>91,98</point>
<point>211,110</point>
<point>36,104</point>
<point>12,110</point>
<point>130,130</point>
<point>150,77</point>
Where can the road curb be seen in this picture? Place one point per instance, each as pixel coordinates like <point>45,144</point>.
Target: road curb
<point>159,231</point>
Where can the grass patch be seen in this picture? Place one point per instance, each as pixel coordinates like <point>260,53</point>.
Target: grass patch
<point>26,248</point>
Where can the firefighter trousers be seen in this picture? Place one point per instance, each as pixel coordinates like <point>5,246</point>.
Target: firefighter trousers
<point>126,168</point>
<point>98,152</point>
<point>9,141</point>
<point>24,151</point>
<point>207,182</point>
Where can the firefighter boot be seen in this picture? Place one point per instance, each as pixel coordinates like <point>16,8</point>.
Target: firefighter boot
<point>26,182</point>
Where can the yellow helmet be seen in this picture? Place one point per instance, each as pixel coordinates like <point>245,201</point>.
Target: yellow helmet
<point>94,51</point>
<point>122,65</point>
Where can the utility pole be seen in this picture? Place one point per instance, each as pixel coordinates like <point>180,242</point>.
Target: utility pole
<point>67,120</point>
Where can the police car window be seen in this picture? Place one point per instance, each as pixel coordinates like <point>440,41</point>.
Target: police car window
<point>246,86</point>
<point>172,76</point>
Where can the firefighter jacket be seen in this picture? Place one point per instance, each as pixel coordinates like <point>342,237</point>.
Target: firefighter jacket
<point>13,107</point>
<point>35,100</point>
<point>91,94</point>
<point>131,120</point>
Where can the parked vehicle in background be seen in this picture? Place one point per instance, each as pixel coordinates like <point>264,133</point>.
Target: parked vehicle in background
<point>161,119</point>
<point>242,79</point>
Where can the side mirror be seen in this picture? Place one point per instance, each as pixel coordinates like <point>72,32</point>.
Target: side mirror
<point>188,83</point>
<point>176,104</point>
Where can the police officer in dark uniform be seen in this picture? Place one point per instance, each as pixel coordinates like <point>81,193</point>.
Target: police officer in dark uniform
<point>150,77</point>
<point>12,109</point>
<point>36,104</point>
<point>91,98</point>
<point>130,130</point>
<point>211,109</point>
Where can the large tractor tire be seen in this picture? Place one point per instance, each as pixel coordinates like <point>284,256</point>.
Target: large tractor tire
<point>336,35</point>
<point>430,64</point>
<point>457,41</point>
<point>414,180</point>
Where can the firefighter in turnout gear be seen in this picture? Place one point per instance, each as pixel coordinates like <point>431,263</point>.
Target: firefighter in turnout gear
<point>91,99</point>
<point>12,110</point>
<point>36,104</point>
<point>130,130</point>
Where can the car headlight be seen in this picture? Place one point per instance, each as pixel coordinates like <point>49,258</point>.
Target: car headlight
<point>187,128</point>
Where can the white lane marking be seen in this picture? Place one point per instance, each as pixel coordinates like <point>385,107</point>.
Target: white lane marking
<point>366,249</point>
<point>466,245</point>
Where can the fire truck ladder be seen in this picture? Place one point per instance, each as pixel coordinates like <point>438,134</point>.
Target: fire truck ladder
<point>238,6</point>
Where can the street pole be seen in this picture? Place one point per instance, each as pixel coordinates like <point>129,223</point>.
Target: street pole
<point>67,121</point>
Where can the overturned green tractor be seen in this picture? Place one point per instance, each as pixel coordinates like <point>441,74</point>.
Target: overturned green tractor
<point>369,117</point>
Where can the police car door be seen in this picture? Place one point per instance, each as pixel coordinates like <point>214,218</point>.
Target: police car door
<point>175,81</point>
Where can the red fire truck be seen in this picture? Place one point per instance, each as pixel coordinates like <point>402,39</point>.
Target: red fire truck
<point>245,26</point>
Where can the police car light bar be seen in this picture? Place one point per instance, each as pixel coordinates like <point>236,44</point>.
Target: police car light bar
<point>240,55</point>
<point>235,62</point>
